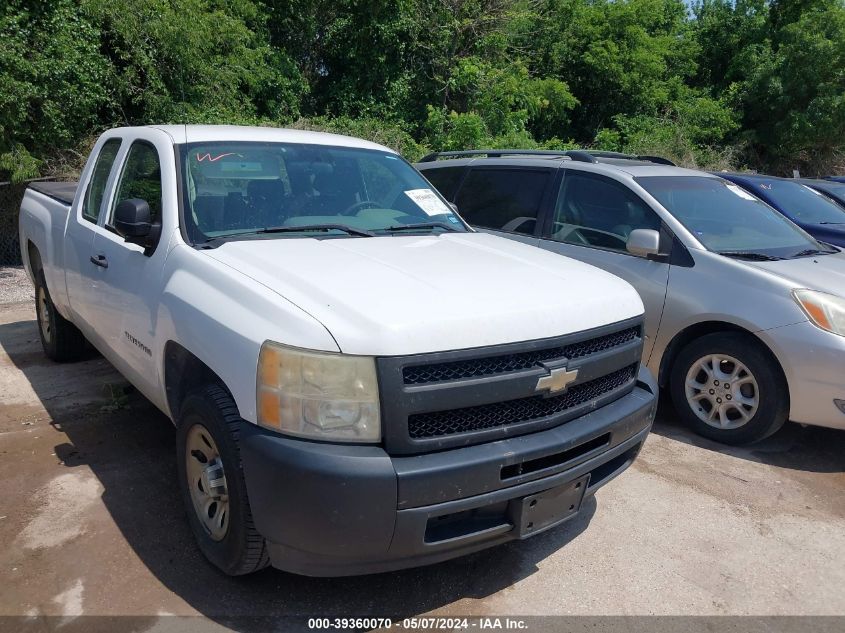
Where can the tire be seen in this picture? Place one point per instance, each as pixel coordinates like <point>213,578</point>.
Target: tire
<point>209,423</point>
<point>751,409</point>
<point>61,340</point>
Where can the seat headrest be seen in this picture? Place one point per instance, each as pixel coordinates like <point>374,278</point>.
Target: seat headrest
<point>265,188</point>
<point>208,204</point>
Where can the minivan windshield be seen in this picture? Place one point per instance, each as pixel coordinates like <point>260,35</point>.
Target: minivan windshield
<point>801,202</point>
<point>727,219</point>
<point>236,190</point>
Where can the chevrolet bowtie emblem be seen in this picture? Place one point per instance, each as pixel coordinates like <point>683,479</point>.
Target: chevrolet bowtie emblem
<point>557,381</point>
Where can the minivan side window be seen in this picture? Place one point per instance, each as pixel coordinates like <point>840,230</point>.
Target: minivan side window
<point>445,179</point>
<point>141,178</point>
<point>503,199</point>
<point>600,212</point>
<point>99,178</point>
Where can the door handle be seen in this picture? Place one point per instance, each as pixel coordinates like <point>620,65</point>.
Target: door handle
<point>100,260</point>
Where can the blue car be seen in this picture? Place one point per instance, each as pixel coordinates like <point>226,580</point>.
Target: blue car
<point>811,210</point>
<point>835,178</point>
<point>833,189</point>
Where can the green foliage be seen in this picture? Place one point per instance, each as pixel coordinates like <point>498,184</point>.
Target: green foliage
<point>53,81</point>
<point>392,135</point>
<point>629,57</point>
<point>760,82</point>
<point>194,60</point>
<point>19,164</point>
<point>793,97</point>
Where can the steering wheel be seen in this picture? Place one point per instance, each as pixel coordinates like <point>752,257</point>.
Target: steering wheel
<point>574,236</point>
<point>592,237</point>
<point>364,204</point>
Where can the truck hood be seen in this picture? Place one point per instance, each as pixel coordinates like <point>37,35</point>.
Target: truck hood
<point>824,272</point>
<point>394,295</point>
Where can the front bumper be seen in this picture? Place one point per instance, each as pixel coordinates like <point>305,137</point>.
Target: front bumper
<point>813,362</point>
<point>337,510</point>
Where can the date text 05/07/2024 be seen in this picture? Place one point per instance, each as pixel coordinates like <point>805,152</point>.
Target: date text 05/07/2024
<point>421,623</point>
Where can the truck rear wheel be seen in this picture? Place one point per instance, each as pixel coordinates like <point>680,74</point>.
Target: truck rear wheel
<point>61,340</point>
<point>728,388</point>
<point>212,482</point>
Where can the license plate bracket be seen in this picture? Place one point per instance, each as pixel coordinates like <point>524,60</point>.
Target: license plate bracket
<point>542,510</point>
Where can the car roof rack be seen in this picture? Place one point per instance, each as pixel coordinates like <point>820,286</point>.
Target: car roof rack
<point>493,153</point>
<point>580,155</point>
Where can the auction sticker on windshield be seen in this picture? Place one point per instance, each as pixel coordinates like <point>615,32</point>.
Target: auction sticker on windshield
<point>428,201</point>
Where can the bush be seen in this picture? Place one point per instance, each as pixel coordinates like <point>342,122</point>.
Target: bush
<point>392,135</point>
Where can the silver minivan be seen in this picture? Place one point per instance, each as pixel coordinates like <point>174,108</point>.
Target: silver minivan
<point>745,312</point>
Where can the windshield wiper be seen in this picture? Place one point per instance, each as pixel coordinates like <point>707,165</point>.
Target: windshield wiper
<point>350,230</point>
<point>760,257</point>
<point>827,222</point>
<point>813,251</point>
<point>421,225</point>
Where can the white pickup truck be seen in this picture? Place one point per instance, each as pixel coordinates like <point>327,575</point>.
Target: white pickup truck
<point>360,382</point>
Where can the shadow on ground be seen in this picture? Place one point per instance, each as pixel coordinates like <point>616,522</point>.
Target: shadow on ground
<point>131,451</point>
<point>804,448</point>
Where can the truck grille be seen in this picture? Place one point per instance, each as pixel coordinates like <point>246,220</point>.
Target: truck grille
<point>457,370</point>
<point>442,400</point>
<point>439,423</point>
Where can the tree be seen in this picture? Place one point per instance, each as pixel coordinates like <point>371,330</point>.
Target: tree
<point>53,82</point>
<point>793,98</point>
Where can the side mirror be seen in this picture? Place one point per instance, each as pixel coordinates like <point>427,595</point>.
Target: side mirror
<point>133,222</point>
<point>644,242</point>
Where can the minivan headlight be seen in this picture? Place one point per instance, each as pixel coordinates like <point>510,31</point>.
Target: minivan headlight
<point>318,395</point>
<point>825,310</point>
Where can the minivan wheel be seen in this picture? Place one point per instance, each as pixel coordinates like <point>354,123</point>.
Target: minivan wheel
<point>728,388</point>
<point>62,341</point>
<point>212,482</point>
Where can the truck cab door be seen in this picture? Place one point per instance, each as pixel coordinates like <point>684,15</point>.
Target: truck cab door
<point>82,226</point>
<point>591,222</point>
<point>129,281</point>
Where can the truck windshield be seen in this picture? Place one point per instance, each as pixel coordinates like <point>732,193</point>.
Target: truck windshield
<point>232,190</point>
<point>727,219</point>
<point>802,202</point>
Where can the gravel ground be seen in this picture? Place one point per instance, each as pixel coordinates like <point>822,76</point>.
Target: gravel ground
<point>15,285</point>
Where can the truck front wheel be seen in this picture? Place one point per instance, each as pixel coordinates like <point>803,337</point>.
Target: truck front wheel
<point>61,340</point>
<point>212,482</point>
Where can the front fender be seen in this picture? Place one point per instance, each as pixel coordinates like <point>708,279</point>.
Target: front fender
<point>223,317</point>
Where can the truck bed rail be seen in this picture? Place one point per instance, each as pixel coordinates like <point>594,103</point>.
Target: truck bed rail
<point>61,191</point>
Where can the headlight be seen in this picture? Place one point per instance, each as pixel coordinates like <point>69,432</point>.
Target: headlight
<point>826,311</point>
<point>318,395</point>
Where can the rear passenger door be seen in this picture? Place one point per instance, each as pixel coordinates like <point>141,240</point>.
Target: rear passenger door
<point>506,199</point>
<point>591,221</point>
<point>81,274</point>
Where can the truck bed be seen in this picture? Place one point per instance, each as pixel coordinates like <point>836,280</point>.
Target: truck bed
<point>61,191</point>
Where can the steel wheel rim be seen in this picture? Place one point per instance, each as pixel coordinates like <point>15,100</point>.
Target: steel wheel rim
<point>43,308</point>
<point>722,391</point>
<point>207,482</point>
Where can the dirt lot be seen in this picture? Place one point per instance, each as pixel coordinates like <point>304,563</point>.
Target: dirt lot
<point>90,522</point>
